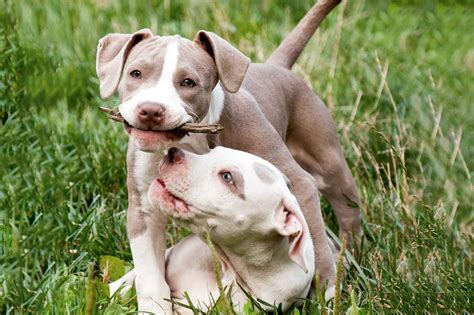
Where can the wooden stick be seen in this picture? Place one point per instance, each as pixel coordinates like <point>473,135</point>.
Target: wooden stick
<point>188,127</point>
<point>112,114</point>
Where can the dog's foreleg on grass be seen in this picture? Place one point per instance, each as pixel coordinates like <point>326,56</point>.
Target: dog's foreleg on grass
<point>146,232</point>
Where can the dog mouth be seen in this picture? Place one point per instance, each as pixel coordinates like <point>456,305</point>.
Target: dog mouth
<point>170,202</point>
<point>154,135</point>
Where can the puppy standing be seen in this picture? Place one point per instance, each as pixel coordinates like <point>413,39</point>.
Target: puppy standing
<point>265,109</point>
<point>259,232</point>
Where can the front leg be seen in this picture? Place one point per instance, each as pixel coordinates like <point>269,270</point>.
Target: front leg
<point>147,233</point>
<point>148,245</point>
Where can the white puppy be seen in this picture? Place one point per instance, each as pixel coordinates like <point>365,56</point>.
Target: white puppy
<point>259,232</point>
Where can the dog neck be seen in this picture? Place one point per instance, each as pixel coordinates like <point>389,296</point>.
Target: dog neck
<point>255,262</point>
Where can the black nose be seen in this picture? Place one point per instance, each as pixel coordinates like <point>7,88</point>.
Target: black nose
<point>175,155</point>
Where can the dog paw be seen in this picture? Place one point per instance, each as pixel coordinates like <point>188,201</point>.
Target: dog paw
<point>122,285</point>
<point>147,305</point>
<point>330,293</point>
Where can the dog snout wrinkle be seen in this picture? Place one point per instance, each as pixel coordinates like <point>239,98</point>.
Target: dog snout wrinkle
<point>151,114</point>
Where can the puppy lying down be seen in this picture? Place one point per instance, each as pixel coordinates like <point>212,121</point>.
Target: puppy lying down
<point>259,232</point>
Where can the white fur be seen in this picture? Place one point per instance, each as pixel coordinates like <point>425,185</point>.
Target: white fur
<point>163,93</point>
<point>330,293</point>
<point>150,288</point>
<point>216,105</point>
<point>145,170</point>
<point>124,284</point>
<point>246,226</point>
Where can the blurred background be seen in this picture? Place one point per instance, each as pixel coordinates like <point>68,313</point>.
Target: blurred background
<point>396,75</point>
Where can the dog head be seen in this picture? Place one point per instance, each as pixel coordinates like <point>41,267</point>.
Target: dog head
<point>166,81</point>
<point>234,195</point>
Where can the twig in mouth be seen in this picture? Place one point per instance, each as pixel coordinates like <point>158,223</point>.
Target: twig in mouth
<point>188,127</point>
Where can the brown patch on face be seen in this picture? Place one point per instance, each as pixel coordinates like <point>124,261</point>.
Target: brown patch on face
<point>265,173</point>
<point>195,64</point>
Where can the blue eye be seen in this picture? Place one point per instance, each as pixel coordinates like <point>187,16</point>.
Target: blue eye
<point>227,177</point>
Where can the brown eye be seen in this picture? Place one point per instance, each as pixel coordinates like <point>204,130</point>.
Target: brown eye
<point>136,74</point>
<point>188,83</point>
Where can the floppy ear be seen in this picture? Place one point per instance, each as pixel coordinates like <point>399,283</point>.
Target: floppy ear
<point>289,221</point>
<point>231,64</point>
<point>112,52</point>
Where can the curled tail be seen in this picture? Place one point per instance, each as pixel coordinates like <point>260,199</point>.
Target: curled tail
<point>290,49</point>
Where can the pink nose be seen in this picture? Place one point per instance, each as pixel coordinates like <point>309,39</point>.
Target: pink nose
<point>151,114</point>
<point>175,155</point>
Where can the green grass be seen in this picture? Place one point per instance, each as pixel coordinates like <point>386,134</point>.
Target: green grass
<point>397,77</point>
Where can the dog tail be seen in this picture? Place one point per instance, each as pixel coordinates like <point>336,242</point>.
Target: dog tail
<point>290,49</point>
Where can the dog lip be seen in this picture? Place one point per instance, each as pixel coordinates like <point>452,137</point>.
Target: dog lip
<point>176,129</point>
<point>161,182</point>
<point>191,208</point>
<point>174,198</point>
<point>127,126</point>
<point>172,134</point>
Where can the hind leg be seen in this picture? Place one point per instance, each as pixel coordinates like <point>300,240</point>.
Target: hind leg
<point>313,142</point>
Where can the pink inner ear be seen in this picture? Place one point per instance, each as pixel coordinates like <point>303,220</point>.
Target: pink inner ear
<point>291,223</point>
<point>295,228</point>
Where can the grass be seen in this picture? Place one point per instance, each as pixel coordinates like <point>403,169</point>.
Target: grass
<point>396,76</point>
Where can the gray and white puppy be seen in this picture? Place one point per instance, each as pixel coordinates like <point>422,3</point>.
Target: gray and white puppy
<point>266,110</point>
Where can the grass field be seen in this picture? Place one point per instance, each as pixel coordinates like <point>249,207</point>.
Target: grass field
<point>397,77</point>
